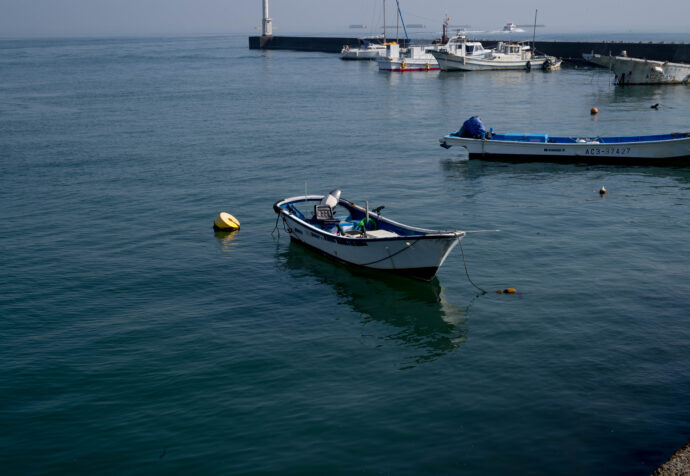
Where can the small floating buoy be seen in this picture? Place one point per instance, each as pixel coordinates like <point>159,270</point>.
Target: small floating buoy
<point>226,222</point>
<point>594,111</point>
<point>655,106</point>
<point>507,291</point>
<point>602,190</point>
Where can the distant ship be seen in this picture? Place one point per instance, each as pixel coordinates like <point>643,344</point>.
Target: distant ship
<point>508,27</point>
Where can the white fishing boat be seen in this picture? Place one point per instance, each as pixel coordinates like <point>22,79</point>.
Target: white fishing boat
<point>368,51</point>
<point>657,149</point>
<point>506,56</point>
<point>426,58</point>
<point>352,234</point>
<point>419,58</point>
<point>641,71</point>
<point>412,58</point>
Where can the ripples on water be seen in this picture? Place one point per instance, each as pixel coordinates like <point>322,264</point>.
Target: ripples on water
<point>135,339</point>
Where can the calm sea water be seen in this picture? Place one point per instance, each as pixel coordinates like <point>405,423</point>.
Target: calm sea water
<point>134,339</point>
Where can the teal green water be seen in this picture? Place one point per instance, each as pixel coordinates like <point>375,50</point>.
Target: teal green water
<point>134,339</point>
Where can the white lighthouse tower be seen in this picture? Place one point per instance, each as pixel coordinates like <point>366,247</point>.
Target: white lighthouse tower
<point>267,25</point>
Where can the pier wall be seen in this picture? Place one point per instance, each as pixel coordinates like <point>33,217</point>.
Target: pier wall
<point>568,50</point>
<point>572,50</point>
<point>325,44</point>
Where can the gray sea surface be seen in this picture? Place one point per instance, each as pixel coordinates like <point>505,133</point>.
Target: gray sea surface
<point>134,339</point>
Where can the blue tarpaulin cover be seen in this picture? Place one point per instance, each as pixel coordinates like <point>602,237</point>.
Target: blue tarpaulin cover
<point>473,127</point>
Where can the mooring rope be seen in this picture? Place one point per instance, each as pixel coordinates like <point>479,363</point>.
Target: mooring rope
<point>466,272</point>
<point>276,227</point>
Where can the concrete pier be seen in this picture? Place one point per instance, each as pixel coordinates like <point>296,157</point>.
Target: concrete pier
<point>570,51</point>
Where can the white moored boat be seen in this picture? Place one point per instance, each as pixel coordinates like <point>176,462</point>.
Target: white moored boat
<point>659,149</point>
<point>506,56</point>
<point>368,51</point>
<point>641,71</point>
<point>412,58</point>
<point>349,233</point>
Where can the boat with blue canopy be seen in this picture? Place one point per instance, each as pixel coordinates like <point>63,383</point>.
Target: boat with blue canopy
<point>356,235</point>
<point>655,149</point>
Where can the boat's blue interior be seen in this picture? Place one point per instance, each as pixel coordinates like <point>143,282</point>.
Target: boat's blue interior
<point>544,138</point>
<point>345,218</point>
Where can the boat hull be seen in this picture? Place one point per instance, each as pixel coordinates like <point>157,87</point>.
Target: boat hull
<point>362,54</point>
<point>452,62</point>
<point>410,65</point>
<point>418,273</point>
<point>674,151</point>
<point>416,256</point>
<point>630,71</point>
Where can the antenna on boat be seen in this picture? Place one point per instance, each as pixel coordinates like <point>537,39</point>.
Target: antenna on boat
<point>444,37</point>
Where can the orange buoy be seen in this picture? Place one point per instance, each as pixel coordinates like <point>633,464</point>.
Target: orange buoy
<point>594,111</point>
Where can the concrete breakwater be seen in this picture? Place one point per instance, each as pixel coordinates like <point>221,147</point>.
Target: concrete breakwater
<point>570,51</point>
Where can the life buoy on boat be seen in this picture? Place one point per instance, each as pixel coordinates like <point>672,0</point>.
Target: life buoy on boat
<point>365,222</point>
<point>403,65</point>
<point>427,66</point>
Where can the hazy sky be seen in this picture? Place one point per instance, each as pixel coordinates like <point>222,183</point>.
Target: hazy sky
<point>32,18</point>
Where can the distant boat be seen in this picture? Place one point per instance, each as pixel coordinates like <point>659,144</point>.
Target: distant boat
<point>506,56</point>
<point>349,233</point>
<point>641,71</point>
<point>512,27</point>
<point>551,64</point>
<point>659,149</point>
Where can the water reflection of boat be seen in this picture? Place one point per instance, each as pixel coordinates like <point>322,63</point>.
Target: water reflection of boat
<point>462,168</point>
<point>417,312</point>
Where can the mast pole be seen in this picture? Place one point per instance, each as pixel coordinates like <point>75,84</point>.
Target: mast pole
<point>534,33</point>
<point>397,23</point>
<point>384,21</point>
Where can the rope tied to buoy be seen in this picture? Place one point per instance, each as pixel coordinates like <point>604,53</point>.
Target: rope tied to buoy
<point>467,272</point>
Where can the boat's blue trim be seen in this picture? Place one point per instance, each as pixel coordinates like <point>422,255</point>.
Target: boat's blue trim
<point>544,138</point>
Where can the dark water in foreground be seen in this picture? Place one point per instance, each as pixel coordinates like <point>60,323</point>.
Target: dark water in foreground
<point>134,339</point>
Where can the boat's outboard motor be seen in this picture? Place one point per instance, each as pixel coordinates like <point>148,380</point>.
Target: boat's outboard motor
<point>332,198</point>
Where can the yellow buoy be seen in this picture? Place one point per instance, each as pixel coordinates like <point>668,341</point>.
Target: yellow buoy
<point>594,111</point>
<point>226,222</point>
<point>509,291</point>
<point>602,191</point>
